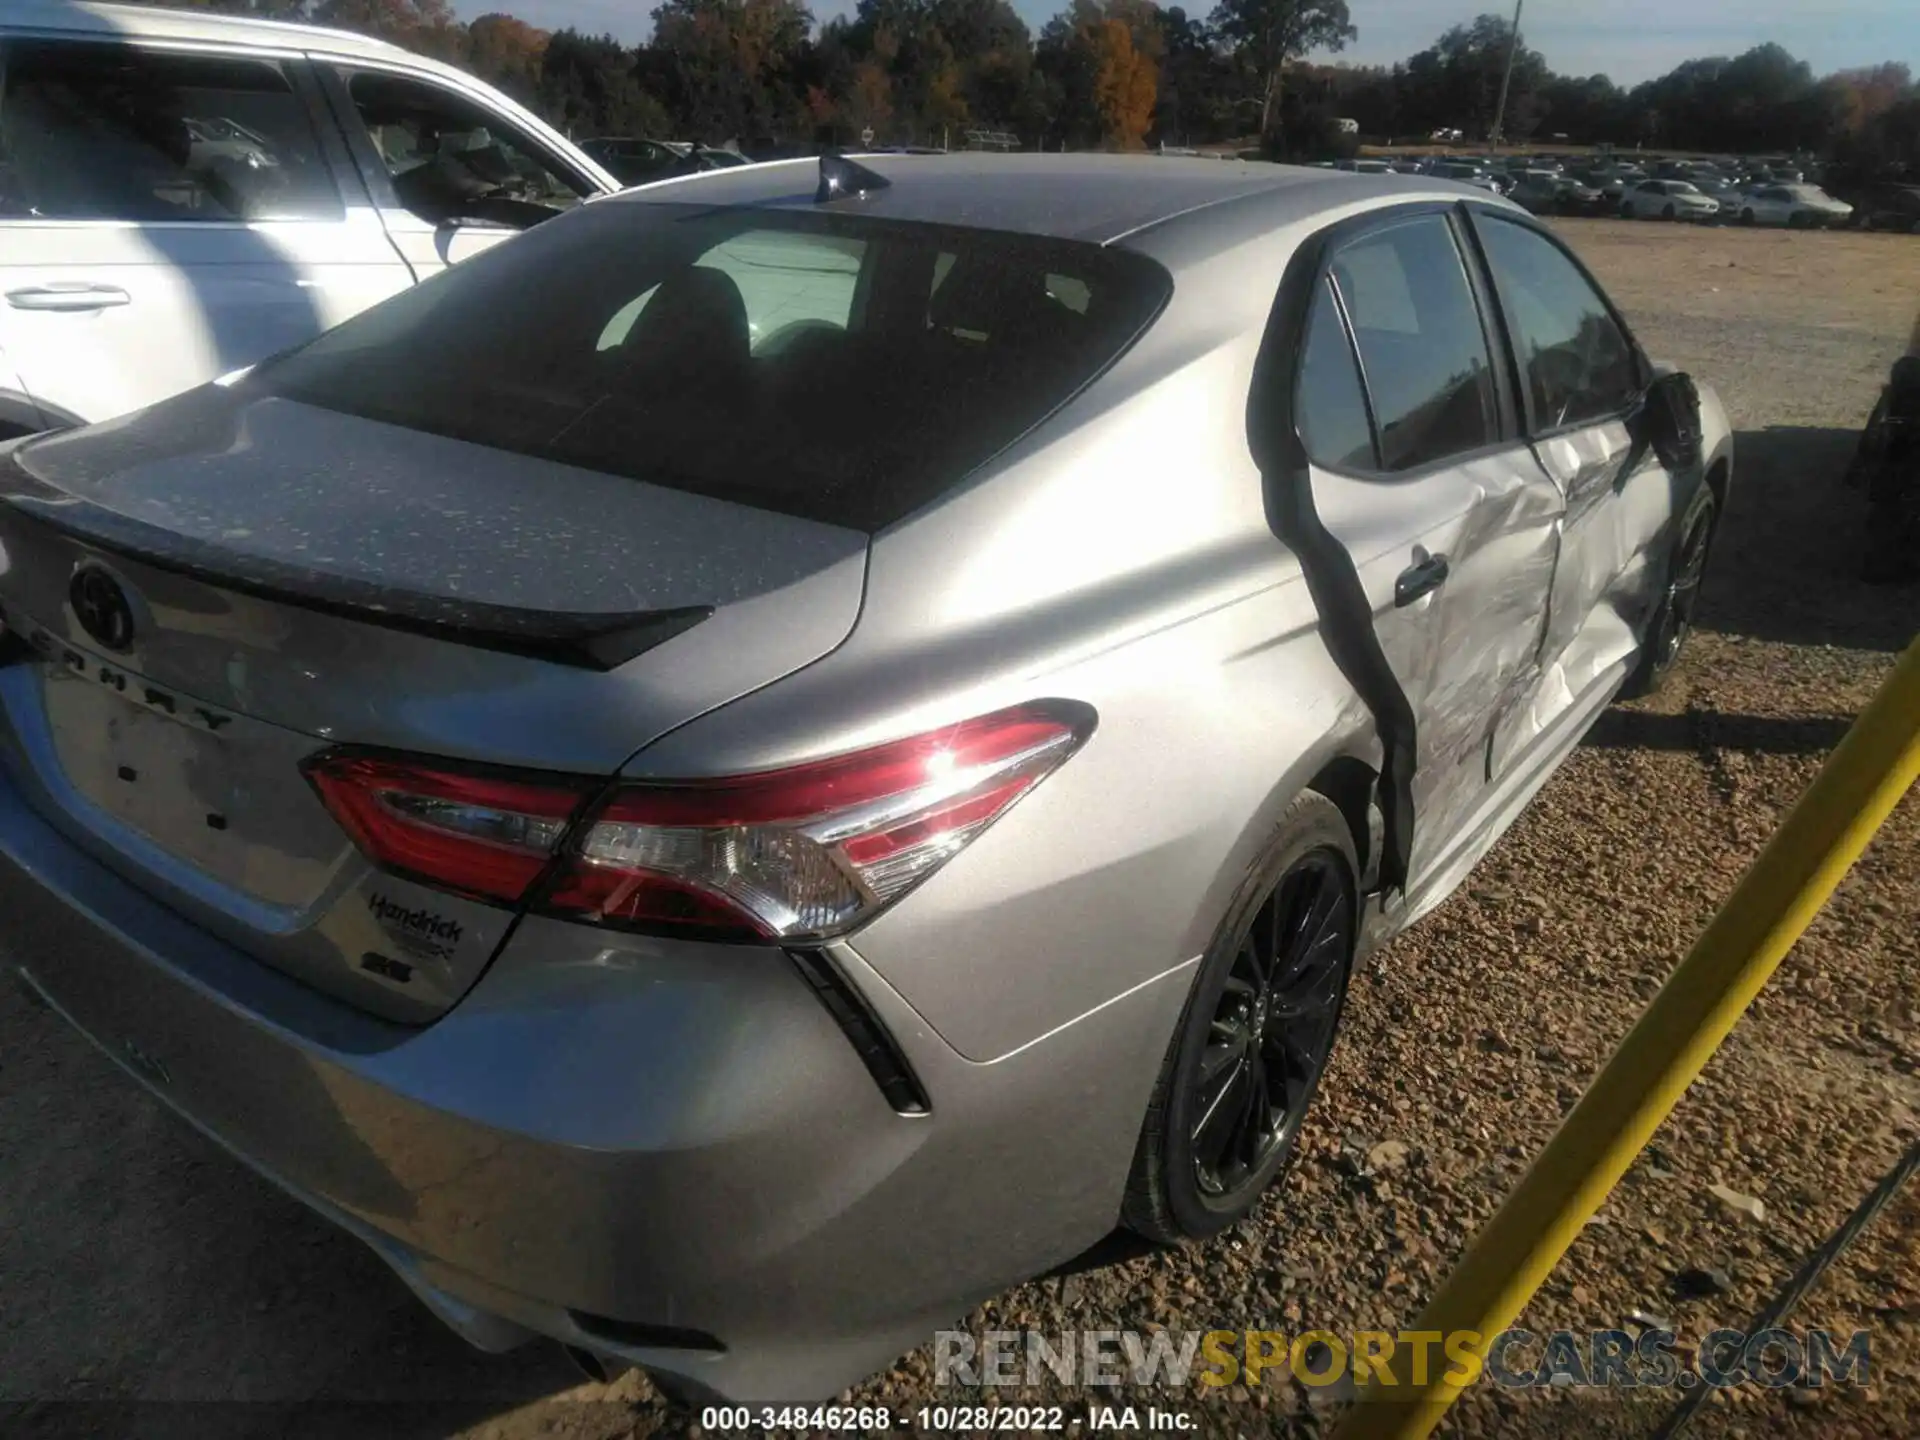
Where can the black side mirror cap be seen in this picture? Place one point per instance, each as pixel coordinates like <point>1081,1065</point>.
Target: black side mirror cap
<point>1669,420</point>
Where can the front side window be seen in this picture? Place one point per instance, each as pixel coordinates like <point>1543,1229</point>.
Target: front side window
<point>451,158</point>
<point>1577,362</point>
<point>1421,342</point>
<point>802,362</point>
<point>92,131</point>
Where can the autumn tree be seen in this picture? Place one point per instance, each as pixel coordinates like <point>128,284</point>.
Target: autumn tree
<point>427,26</point>
<point>507,52</point>
<point>1123,85</point>
<point>1455,82</point>
<point>1268,35</point>
<point>591,85</point>
<point>734,67</point>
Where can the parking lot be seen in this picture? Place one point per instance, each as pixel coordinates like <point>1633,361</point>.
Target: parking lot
<point>142,1265</point>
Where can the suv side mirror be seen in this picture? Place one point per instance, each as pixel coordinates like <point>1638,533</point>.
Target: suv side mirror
<point>1668,419</point>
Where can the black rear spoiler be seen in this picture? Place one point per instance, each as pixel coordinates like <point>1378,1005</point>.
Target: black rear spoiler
<point>588,641</point>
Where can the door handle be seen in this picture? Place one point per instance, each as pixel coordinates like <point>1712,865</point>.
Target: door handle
<point>1423,577</point>
<point>68,295</point>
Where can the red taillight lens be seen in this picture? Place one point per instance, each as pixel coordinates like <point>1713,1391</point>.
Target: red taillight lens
<point>802,853</point>
<point>474,834</point>
<point>810,851</point>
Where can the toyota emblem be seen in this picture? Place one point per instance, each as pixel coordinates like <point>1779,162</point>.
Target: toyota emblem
<point>100,605</point>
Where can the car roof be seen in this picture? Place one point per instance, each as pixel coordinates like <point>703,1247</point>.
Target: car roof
<point>141,22</point>
<point>1096,198</point>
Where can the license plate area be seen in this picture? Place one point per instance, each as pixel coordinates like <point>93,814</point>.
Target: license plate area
<point>218,791</point>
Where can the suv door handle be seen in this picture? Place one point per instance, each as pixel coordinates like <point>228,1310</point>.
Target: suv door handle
<point>64,295</point>
<point>1423,577</point>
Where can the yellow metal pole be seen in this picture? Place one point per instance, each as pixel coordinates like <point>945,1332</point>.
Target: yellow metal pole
<point>1875,764</point>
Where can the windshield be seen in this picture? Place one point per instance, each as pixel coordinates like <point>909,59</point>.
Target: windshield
<point>829,366</point>
<point>1680,187</point>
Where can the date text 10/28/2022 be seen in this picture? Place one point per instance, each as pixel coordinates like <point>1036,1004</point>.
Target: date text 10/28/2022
<point>965,1419</point>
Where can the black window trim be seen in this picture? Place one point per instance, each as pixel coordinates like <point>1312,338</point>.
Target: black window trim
<point>1330,287</point>
<point>1479,214</point>
<point>289,62</point>
<point>1507,415</point>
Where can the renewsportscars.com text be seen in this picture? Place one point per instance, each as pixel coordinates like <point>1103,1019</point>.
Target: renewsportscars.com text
<point>1514,1359</point>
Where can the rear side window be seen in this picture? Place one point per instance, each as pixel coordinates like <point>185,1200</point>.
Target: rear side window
<point>835,367</point>
<point>1421,342</point>
<point>1329,407</point>
<point>1578,365</point>
<point>94,131</point>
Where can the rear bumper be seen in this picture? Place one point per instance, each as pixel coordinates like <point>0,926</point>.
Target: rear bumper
<point>663,1152</point>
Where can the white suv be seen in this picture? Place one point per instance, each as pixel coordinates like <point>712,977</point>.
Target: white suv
<point>182,194</point>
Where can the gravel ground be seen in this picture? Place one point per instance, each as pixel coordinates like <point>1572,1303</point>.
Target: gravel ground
<point>140,1265</point>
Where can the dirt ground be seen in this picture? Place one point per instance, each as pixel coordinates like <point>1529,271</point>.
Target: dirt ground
<point>149,1282</point>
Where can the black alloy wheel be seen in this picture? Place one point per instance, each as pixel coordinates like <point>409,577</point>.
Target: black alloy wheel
<point>1672,620</point>
<point>1259,1025</point>
<point>1272,1027</point>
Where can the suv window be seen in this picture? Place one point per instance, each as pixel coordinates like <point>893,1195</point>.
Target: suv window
<point>92,131</point>
<point>450,157</point>
<point>868,393</point>
<point>1421,342</point>
<point>1329,407</point>
<point>1578,364</point>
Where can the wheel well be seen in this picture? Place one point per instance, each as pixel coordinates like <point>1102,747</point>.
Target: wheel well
<point>1349,784</point>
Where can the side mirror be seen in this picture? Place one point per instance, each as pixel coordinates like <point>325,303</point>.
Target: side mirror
<point>1669,421</point>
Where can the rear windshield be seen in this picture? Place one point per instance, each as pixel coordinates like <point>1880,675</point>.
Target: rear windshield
<point>829,366</point>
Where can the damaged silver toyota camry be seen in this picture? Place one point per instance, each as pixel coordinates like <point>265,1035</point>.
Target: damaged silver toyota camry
<point>731,777</point>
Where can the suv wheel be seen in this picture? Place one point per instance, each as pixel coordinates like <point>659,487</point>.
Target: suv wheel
<point>1254,1038</point>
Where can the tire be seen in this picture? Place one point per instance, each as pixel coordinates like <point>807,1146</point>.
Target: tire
<point>1668,213</point>
<point>1746,217</point>
<point>1626,212</point>
<point>1672,619</point>
<point>1206,1153</point>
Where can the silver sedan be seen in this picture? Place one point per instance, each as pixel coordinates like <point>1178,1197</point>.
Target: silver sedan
<point>734,775</point>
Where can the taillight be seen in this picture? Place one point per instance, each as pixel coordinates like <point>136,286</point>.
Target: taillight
<point>476,834</point>
<point>796,854</point>
<point>810,851</point>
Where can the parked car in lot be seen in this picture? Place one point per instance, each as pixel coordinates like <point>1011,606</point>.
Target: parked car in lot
<point>637,160</point>
<point>1798,206</point>
<point>183,194</point>
<point>1614,181</point>
<point>1668,200</point>
<point>645,778</point>
<point>1543,192</point>
<point>1887,206</point>
<point>1469,174</point>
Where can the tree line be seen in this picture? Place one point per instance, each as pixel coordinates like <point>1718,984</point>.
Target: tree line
<point>1119,74</point>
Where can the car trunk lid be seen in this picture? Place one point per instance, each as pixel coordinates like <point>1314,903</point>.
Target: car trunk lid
<point>217,589</point>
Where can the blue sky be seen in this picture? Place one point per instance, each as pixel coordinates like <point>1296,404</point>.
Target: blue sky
<point>1628,39</point>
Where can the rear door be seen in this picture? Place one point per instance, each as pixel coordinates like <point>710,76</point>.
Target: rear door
<point>1418,474</point>
<point>1581,378</point>
<point>451,173</point>
<point>167,216</point>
